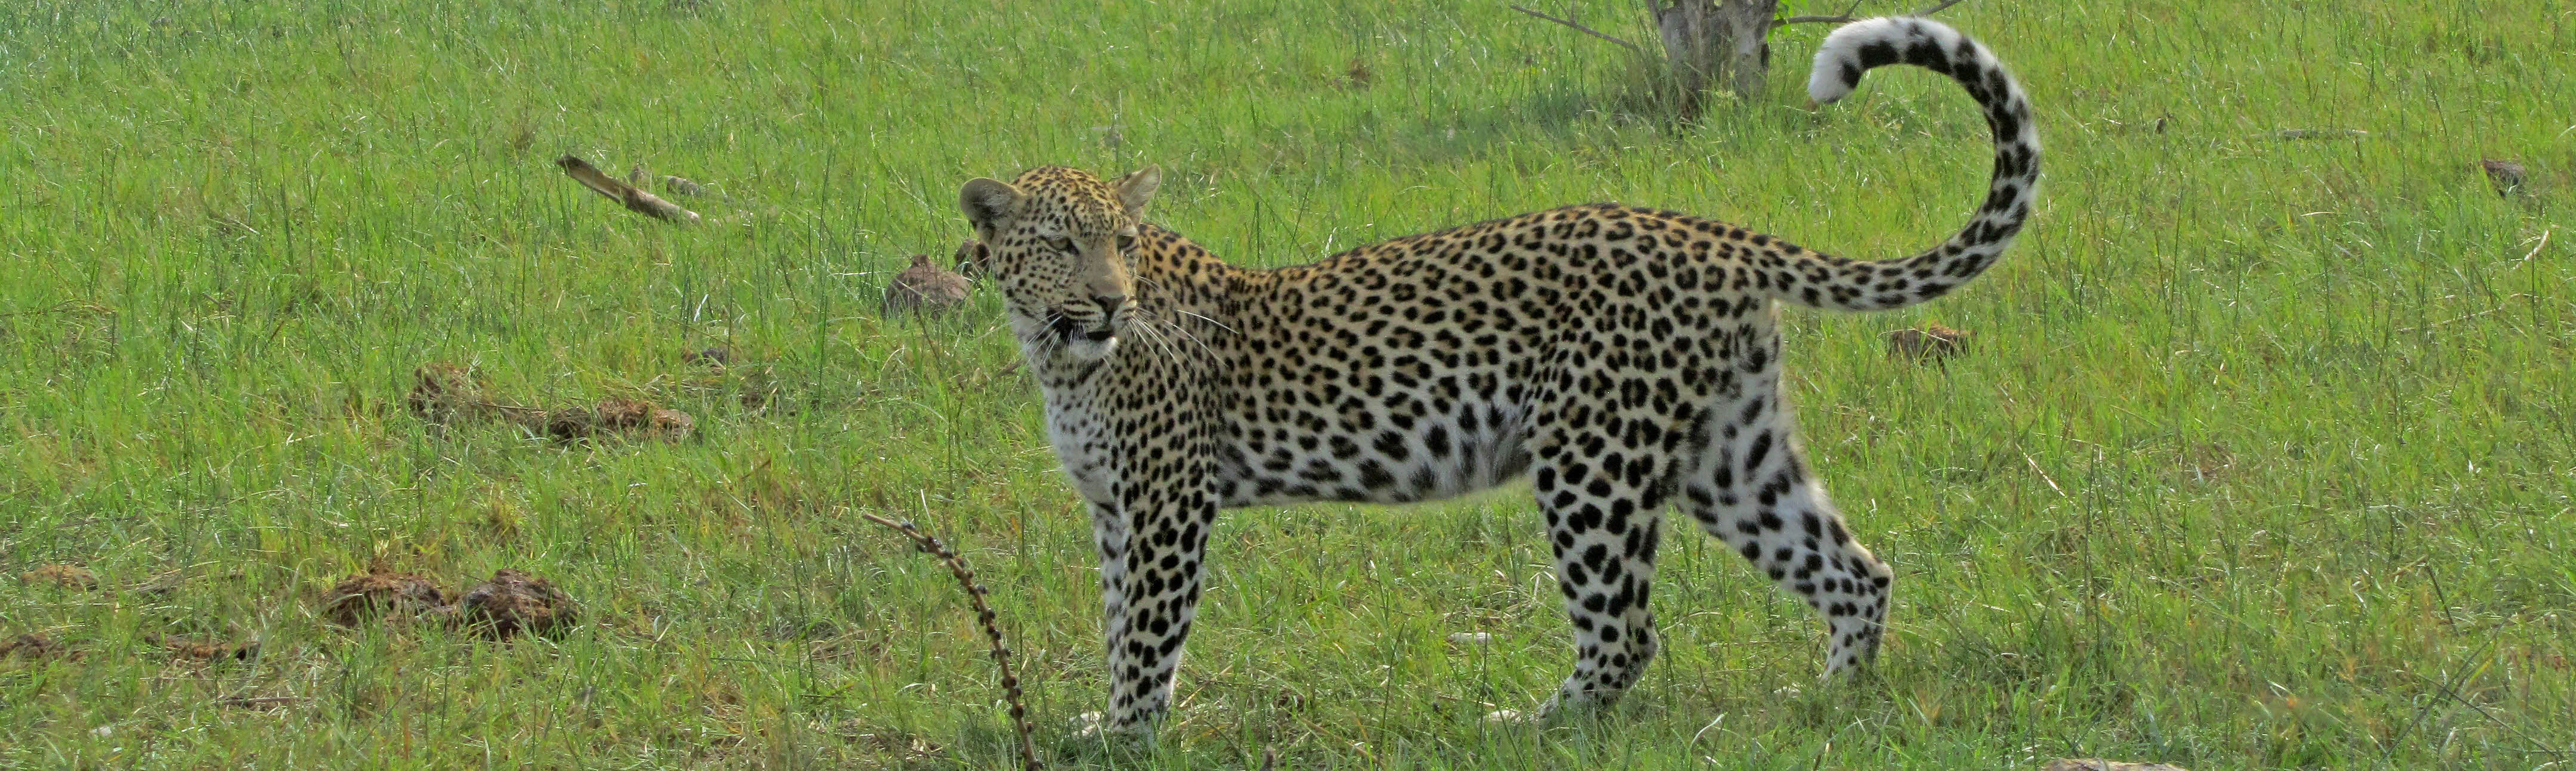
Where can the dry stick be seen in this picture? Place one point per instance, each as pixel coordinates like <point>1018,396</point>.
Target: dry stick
<point>1846,15</point>
<point>983,613</point>
<point>1632,47</point>
<point>632,197</point>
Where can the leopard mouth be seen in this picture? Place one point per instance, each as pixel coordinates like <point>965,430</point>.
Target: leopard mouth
<point>1069,330</point>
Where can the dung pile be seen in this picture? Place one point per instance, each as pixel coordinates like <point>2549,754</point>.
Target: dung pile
<point>379,593</point>
<point>512,603</point>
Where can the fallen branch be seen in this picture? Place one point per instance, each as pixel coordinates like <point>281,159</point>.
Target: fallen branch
<point>1847,17</point>
<point>632,197</point>
<point>1632,47</point>
<point>983,613</point>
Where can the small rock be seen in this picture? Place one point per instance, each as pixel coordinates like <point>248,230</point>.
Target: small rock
<point>2098,764</point>
<point>514,602</point>
<point>67,576</point>
<point>378,592</point>
<point>1933,342</point>
<point>2507,175</point>
<point>924,287</point>
<point>1471,638</point>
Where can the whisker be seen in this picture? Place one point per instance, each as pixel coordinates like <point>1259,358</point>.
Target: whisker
<point>1219,324</point>
<point>1185,333</point>
<point>1152,328</point>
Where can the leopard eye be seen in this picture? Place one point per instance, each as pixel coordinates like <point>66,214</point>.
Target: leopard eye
<point>1126,241</point>
<point>1061,244</point>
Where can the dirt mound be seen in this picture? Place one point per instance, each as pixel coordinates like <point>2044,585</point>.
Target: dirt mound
<point>378,593</point>
<point>1931,343</point>
<point>713,356</point>
<point>513,603</point>
<point>31,646</point>
<point>67,576</point>
<point>924,288</point>
<point>441,393</point>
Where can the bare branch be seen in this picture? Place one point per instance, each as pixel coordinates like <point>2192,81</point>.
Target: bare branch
<point>1847,17</point>
<point>1632,47</point>
<point>634,198</point>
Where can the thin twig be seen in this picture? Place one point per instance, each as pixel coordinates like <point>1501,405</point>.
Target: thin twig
<point>1846,15</point>
<point>66,306</point>
<point>2043,475</point>
<point>2535,250</point>
<point>1632,47</point>
<point>490,405</point>
<point>261,701</point>
<point>983,613</point>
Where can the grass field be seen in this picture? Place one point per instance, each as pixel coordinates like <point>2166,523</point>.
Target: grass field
<point>2263,456</point>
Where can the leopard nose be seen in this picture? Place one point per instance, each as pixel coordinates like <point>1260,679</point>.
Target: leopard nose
<point>1109,303</point>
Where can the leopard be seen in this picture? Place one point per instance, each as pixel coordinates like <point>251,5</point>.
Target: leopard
<point>1620,361</point>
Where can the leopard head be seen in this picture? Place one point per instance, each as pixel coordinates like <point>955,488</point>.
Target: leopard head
<point>1056,242</point>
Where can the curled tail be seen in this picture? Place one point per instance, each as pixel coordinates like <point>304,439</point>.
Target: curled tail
<point>1837,283</point>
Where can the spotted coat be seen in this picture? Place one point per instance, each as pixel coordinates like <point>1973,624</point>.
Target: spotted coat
<point>1622,360</point>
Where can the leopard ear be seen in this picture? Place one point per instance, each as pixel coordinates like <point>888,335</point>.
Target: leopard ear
<point>1137,188</point>
<point>988,203</point>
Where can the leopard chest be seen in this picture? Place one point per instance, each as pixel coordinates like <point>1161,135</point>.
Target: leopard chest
<point>1081,436</point>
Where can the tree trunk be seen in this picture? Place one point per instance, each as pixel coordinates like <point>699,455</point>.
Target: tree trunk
<point>1713,41</point>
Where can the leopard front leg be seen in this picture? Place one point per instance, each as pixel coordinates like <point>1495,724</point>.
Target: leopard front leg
<point>1109,534</point>
<point>1152,549</point>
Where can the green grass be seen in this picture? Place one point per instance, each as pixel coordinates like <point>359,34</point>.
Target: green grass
<point>2263,457</point>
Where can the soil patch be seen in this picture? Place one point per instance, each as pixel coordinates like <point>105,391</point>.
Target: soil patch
<point>445,395</point>
<point>31,646</point>
<point>67,576</point>
<point>619,416</point>
<point>207,651</point>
